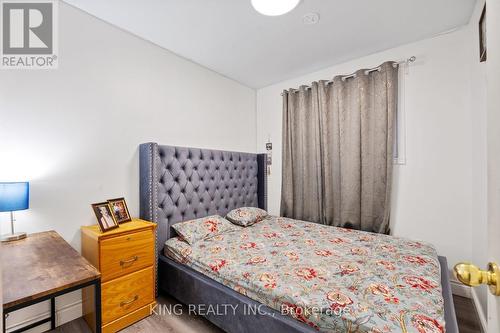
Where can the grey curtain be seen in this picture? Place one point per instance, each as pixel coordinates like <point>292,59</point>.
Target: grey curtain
<point>338,150</point>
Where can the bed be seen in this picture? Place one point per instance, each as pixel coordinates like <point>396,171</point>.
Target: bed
<point>179,184</point>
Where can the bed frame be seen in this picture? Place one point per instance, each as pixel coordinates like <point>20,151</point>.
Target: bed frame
<point>179,184</point>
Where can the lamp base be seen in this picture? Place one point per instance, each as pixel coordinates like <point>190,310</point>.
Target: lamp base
<point>13,237</point>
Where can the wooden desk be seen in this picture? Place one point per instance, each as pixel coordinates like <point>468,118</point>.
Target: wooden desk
<point>40,268</point>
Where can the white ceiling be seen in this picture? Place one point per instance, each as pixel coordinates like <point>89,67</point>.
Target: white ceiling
<point>229,37</point>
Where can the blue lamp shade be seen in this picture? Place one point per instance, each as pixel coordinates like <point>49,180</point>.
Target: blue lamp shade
<point>14,196</point>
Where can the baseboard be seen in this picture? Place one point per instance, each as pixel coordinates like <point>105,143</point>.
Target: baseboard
<point>460,289</point>
<point>64,314</point>
<point>479,310</point>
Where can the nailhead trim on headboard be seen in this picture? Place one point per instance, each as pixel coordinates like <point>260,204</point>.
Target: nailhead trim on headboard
<point>154,191</point>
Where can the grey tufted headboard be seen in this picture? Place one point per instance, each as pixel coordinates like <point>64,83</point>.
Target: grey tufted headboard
<point>179,184</point>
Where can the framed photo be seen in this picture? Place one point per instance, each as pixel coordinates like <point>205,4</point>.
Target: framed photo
<point>482,36</point>
<point>120,210</point>
<point>105,217</point>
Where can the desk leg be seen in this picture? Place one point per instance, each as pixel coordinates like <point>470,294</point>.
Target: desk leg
<point>52,313</point>
<point>98,319</point>
<point>4,317</point>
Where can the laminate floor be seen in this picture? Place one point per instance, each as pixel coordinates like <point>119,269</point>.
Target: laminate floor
<point>182,323</point>
<point>468,321</point>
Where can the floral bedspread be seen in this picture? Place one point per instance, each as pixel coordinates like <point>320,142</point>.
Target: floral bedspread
<point>333,279</point>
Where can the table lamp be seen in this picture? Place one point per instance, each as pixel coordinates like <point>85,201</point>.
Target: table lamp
<point>14,197</point>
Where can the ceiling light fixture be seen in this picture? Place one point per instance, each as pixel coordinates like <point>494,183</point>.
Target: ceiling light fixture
<point>274,7</point>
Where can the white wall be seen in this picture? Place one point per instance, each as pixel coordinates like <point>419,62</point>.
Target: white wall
<point>493,143</point>
<point>438,194</point>
<point>74,132</point>
<point>479,231</point>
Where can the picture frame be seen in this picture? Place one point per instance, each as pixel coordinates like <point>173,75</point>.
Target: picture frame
<point>482,36</point>
<point>120,210</point>
<point>105,217</point>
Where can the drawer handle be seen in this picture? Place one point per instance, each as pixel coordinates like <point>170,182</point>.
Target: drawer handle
<point>130,301</point>
<point>128,261</point>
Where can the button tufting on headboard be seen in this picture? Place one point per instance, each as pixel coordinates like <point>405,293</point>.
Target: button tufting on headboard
<point>179,184</point>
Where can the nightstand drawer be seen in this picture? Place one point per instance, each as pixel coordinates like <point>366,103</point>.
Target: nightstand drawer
<point>125,254</point>
<point>127,294</point>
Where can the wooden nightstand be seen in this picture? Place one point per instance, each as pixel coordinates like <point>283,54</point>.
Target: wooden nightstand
<point>125,256</point>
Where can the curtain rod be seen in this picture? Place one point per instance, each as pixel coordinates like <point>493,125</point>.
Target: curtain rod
<point>368,71</point>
